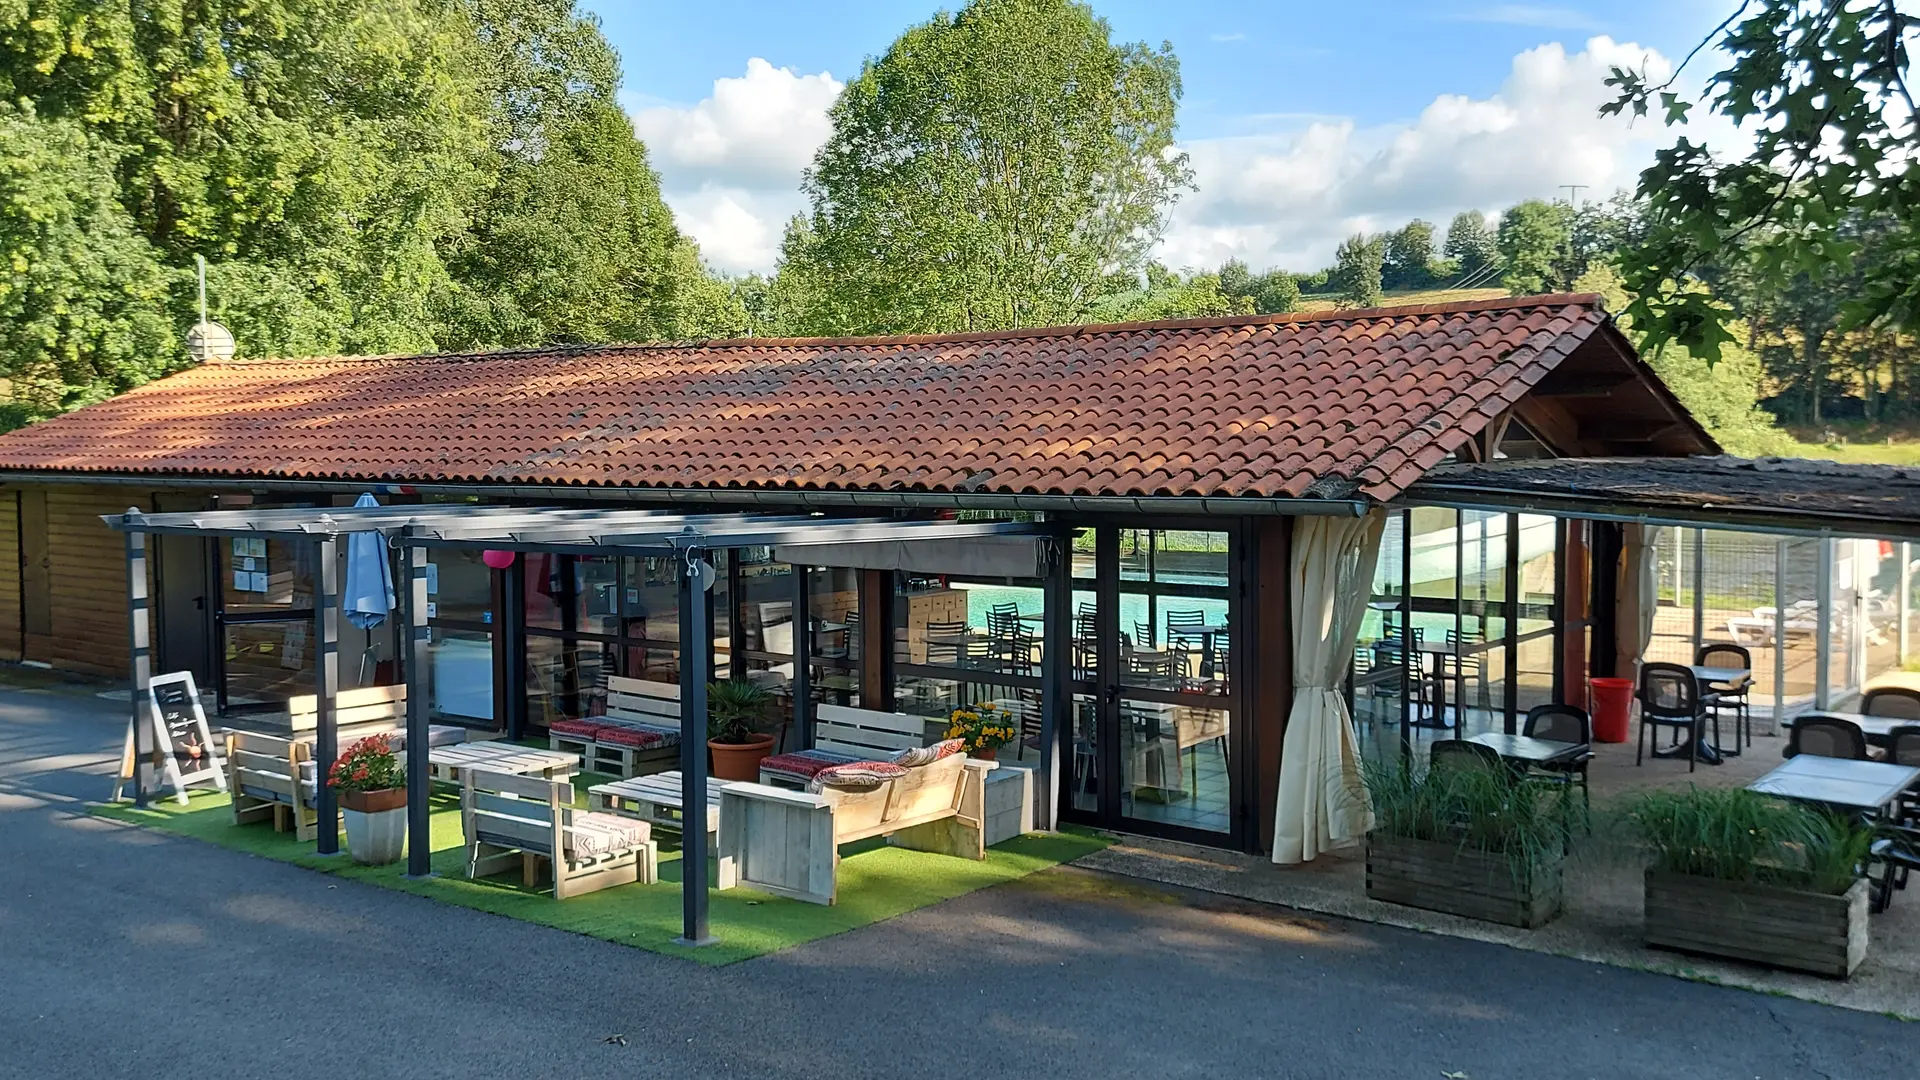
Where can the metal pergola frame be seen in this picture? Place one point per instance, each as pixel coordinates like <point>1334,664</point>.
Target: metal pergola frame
<point>415,530</point>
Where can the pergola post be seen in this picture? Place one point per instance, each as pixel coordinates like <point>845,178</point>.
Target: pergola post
<point>326,684</point>
<point>802,682</point>
<point>696,643</point>
<point>413,606</point>
<point>1779,635</point>
<point>1823,627</point>
<point>139,660</point>
<point>1905,552</point>
<point>1056,653</point>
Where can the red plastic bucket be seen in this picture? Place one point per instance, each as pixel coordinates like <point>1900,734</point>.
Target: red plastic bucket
<point>1612,700</point>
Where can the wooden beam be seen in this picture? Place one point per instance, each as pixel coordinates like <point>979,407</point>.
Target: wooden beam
<point>1558,385</point>
<point>1623,429</point>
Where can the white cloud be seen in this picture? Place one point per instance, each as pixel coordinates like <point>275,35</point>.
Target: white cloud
<point>730,164</point>
<point>1224,38</point>
<point>1288,199</point>
<point>1540,15</point>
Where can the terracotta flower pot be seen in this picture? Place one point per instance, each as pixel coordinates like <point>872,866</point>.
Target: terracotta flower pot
<point>372,802</point>
<point>740,761</point>
<point>984,753</point>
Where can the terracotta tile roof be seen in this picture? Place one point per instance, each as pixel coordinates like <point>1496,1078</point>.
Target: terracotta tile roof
<point>1324,404</point>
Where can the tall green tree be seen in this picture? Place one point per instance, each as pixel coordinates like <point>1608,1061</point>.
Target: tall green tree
<point>1356,270</point>
<point>1535,240</point>
<point>992,169</point>
<point>1470,242</point>
<point>1822,87</point>
<point>1409,257</point>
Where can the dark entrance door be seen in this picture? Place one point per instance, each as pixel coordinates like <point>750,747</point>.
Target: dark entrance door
<point>184,624</point>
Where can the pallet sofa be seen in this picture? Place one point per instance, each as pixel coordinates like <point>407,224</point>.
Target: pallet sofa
<point>528,822</point>
<point>787,842</point>
<point>275,778</point>
<point>841,735</point>
<point>638,734</point>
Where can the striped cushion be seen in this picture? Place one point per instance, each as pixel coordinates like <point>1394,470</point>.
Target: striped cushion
<point>927,755</point>
<point>855,775</point>
<point>605,834</point>
<point>638,736</point>
<point>802,764</point>
<point>586,728</point>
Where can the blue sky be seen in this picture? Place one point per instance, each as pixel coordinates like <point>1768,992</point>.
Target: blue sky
<point>1305,121</point>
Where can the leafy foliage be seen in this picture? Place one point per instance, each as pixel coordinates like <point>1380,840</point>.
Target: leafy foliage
<point>734,708</point>
<point>1409,262</point>
<point>1470,242</point>
<point>1356,273</point>
<point>1475,809</point>
<point>992,169</point>
<point>1535,240</point>
<point>1732,834</point>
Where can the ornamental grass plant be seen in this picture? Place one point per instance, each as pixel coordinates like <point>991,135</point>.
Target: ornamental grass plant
<point>1732,834</point>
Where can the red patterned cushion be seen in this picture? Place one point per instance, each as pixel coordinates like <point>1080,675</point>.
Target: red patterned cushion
<point>586,728</point>
<point>855,775</point>
<point>927,755</point>
<point>636,736</point>
<point>803,764</point>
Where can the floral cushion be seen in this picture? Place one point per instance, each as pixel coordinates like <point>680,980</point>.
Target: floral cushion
<point>638,736</point>
<point>927,755</point>
<point>803,764</point>
<point>586,728</point>
<point>855,775</point>
<point>605,834</point>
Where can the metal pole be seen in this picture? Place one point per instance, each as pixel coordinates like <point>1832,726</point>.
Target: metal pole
<point>695,642</point>
<point>1823,628</point>
<point>802,683</point>
<point>413,603</point>
<point>139,660</point>
<point>1699,588</point>
<point>1905,552</point>
<point>1056,651</point>
<point>326,685</point>
<point>1779,635</point>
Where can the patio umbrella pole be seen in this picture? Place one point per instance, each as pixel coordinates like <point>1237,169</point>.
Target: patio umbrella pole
<point>696,640</point>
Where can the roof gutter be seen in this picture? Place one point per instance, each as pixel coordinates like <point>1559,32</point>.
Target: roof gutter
<point>1168,505</point>
<point>1605,508</point>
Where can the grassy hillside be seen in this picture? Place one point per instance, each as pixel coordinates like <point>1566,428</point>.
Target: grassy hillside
<point>1897,448</point>
<point>1325,302</point>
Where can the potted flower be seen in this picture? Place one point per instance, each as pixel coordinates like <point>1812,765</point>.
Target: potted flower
<point>1480,843</point>
<point>986,728</point>
<point>1738,874</point>
<point>734,708</point>
<point>373,799</point>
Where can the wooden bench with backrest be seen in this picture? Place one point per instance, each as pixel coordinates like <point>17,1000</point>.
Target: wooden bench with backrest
<point>370,710</point>
<point>527,822</point>
<point>638,734</point>
<point>842,734</point>
<point>788,842</point>
<point>273,778</point>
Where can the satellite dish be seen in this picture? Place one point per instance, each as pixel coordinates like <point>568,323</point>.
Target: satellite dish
<point>209,341</point>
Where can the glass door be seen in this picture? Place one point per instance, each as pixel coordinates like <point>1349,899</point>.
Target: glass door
<point>264,613</point>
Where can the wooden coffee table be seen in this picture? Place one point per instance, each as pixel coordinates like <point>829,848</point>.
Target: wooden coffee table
<point>655,798</point>
<point>445,762</point>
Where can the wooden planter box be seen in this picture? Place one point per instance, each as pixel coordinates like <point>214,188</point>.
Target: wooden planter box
<point>1785,928</point>
<point>1440,876</point>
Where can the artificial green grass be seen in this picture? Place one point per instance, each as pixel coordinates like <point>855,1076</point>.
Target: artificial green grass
<point>875,881</point>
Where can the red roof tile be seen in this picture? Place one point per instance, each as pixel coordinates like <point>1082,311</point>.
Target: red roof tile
<point>1331,403</point>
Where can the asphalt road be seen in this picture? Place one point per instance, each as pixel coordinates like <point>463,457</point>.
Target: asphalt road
<point>125,951</point>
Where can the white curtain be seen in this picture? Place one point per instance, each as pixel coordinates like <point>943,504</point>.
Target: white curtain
<point>1323,798</point>
<point>1638,596</point>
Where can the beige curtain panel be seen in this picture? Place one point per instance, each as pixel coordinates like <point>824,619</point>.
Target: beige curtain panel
<point>1639,595</point>
<point>1323,797</point>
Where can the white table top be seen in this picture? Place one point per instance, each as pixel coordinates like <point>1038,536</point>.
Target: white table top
<point>1840,782</point>
<point>661,789</point>
<point>501,757</point>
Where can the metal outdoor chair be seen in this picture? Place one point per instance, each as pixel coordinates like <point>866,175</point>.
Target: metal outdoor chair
<point>1729,698</point>
<point>1670,698</point>
<point>1826,736</point>
<point>947,644</point>
<point>1903,748</point>
<point>1564,723</point>
<point>1897,851</point>
<point>1456,754</point>
<point>1895,701</point>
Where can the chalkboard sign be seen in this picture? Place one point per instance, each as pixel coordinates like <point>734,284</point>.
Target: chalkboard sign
<point>183,749</point>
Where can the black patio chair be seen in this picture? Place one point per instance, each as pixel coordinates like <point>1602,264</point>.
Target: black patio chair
<point>1733,699</point>
<point>1826,736</point>
<point>1564,723</point>
<point>1670,698</point>
<point>1467,756</point>
<point>1896,701</point>
<point>1903,748</point>
<point>1897,852</point>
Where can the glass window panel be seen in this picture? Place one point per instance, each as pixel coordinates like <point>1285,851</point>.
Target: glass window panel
<point>464,586</point>
<point>269,662</point>
<point>546,591</point>
<point>566,679</point>
<point>833,603</point>
<point>460,675</point>
<point>259,575</point>
<point>1174,762</point>
<point>596,590</point>
<point>1085,777</point>
<point>1173,610</point>
<point>931,624</point>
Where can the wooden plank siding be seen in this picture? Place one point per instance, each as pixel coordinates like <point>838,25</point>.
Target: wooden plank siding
<point>84,625</point>
<point>10,628</point>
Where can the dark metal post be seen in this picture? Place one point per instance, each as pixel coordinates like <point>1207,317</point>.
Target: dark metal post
<point>696,641</point>
<point>802,663</point>
<point>326,685</point>
<point>1510,644</point>
<point>413,606</point>
<point>1056,653</point>
<point>510,628</point>
<point>139,660</point>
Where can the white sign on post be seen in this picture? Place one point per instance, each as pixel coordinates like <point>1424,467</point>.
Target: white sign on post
<point>183,750</point>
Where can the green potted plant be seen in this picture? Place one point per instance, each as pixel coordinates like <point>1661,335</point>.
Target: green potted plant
<point>1481,843</point>
<point>1743,875</point>
<point>734,710</point>
<point>373,800</point>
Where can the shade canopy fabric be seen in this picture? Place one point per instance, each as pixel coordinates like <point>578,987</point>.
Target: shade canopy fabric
<point>1639,594</point>
<point>980,556</point>
<point>369,594</point>
<point>1322,801</point>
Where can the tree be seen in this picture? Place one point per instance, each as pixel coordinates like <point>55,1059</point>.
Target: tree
<point>1356,270</point>
<point>1236,279</point>
<point>1470,242</point>
<point>990,170</point>
<point>1821,89</point>
<point>1278,293</point>
<point>1168,296</point>
<point>1535,240</point>
<point>1409,257</point>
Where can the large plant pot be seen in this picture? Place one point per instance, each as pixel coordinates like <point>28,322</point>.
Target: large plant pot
<point>1822,933</point>
<point>376,825</point>
<point>1441,876</point>
<point>740,761</point>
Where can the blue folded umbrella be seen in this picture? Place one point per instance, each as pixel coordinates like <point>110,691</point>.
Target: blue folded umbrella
<point>369,595</point>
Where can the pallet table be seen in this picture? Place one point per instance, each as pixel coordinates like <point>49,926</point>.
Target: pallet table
<point>655,799</point>
<point>446,762</point>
